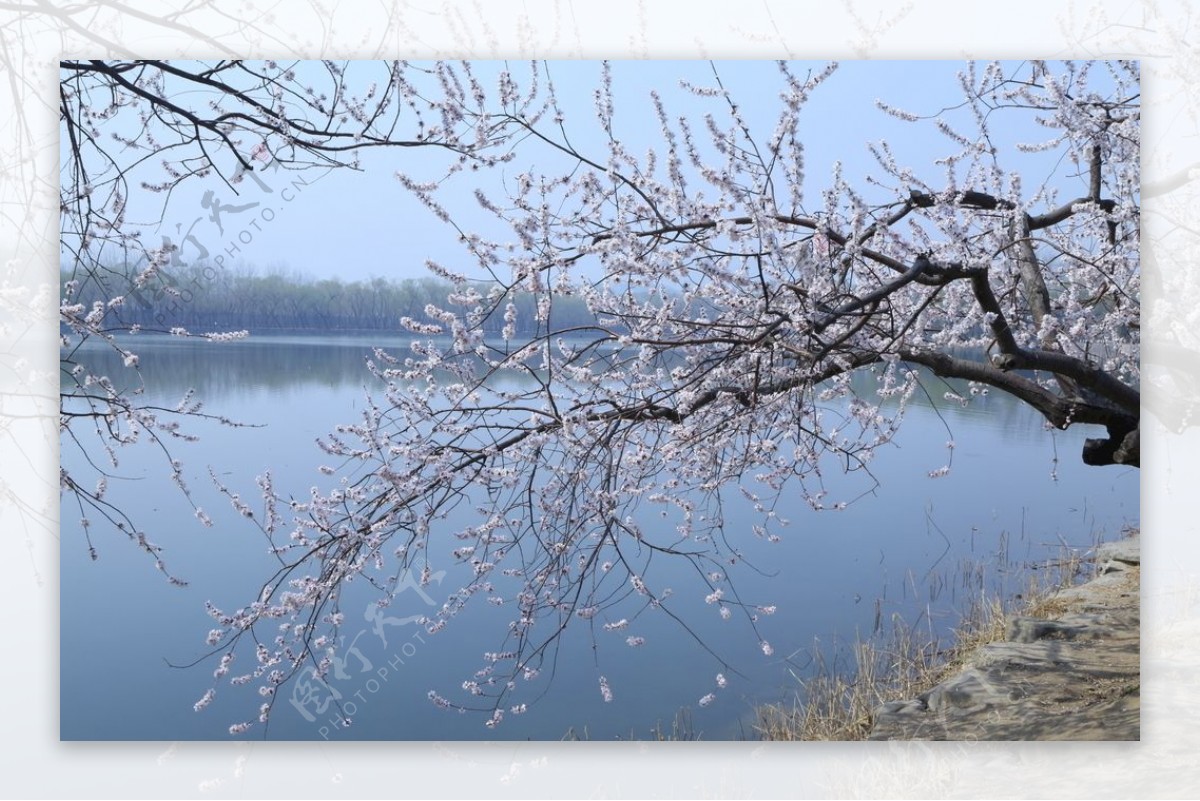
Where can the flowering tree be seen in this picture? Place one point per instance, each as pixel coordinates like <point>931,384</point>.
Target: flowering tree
<point>731,314</point>
<point>146,129</point>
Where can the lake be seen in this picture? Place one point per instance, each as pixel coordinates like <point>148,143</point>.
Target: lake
<point>915,549</point>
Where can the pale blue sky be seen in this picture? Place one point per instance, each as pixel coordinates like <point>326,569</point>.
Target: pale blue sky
<point>356,225</point>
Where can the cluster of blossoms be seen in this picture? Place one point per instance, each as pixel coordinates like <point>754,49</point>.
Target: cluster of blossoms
<point>741,348</point>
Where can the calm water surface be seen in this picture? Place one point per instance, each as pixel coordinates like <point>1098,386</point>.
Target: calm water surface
<point>916,548</point>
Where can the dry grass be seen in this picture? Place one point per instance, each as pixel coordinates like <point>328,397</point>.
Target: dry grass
<point>839,705</point>
<point>680,728</point>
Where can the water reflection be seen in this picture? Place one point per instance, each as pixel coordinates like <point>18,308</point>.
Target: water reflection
<point>234,370</point>
<point>913,547</point>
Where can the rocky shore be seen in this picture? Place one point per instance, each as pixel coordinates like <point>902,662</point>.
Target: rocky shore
<point>1072,672</point>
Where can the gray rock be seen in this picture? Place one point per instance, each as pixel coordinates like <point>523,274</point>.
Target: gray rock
<point>1119,555</point>
<point>1073,677</point>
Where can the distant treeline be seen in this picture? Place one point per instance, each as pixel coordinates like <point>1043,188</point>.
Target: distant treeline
<point>203,298</point>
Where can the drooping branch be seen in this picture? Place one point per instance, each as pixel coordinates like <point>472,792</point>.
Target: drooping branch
<point>730,320</point>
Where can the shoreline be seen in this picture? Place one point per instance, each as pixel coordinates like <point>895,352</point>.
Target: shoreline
<point>1068,669</point>
<point>1062,665</point>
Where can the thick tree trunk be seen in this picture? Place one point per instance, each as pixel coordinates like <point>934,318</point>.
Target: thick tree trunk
<point>1123,446</point>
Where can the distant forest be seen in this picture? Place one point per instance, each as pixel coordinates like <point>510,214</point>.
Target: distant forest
<point>202,298</point>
